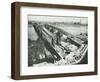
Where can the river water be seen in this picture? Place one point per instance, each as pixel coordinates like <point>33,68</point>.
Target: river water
<point>74,29</point>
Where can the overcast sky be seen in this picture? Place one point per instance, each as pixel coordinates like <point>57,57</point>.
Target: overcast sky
<point>83,20</point>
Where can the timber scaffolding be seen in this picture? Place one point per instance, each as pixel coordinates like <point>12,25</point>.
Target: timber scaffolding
<point>70,36</point>
<point>47,36</point>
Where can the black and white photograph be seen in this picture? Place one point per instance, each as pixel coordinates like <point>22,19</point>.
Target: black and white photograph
<point>53,40</point>
<point>57,40</point>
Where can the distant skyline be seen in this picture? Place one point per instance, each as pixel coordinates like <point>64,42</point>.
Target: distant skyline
<point>68,19</point>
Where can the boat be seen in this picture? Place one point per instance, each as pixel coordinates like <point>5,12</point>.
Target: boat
<point>65,48</point>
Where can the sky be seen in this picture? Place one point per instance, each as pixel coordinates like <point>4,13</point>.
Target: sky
<point>83,20</point>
